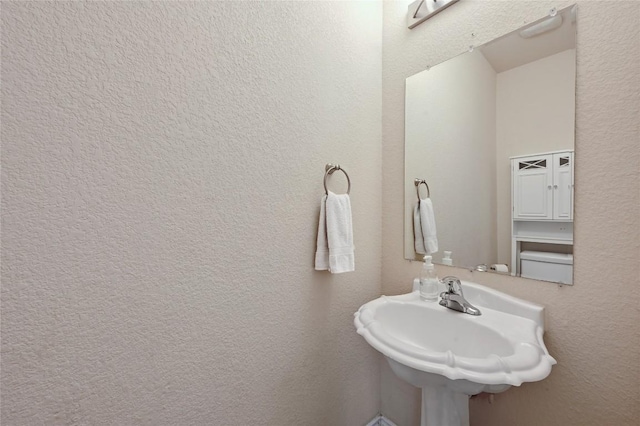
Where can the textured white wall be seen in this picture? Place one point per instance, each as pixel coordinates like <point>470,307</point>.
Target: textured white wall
<point>162,168</point>
<point>450,141</point>
<point>593,326</point>
<point>535,113</point>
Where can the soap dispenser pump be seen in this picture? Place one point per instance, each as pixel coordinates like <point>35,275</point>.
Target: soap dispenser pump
<point>428,281</point>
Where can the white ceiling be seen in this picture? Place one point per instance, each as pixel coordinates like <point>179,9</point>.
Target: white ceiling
<point>511,50</point>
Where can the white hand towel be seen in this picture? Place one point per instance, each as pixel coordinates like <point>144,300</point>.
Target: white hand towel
<point>322,246</point>
<point>417,231</point>
<point>428,223</point>
<point>340,233</point>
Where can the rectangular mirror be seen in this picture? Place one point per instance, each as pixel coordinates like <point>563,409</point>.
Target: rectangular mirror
<point>491,132</point>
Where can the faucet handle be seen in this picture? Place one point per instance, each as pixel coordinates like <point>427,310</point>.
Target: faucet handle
<point>453,285</point>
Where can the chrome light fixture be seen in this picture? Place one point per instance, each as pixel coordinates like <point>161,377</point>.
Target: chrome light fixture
<point>421,10</point>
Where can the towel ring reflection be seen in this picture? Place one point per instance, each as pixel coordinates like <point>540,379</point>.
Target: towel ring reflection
<point>418,182</point>
<point>329,169</point>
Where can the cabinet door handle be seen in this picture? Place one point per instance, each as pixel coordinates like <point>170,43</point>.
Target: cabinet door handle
<point>549,187</point>
<point>555,186</point>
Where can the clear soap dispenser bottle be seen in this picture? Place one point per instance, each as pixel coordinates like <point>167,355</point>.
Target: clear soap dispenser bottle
<point>428,281</point>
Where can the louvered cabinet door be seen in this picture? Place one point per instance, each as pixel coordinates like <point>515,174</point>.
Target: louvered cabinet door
<point>563,186</point>
<point>533,188</point>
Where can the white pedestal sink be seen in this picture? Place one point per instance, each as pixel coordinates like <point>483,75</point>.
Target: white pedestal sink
<point>451,355</point>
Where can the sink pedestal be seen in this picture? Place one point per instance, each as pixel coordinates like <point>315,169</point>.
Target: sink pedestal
<point>444,401</point>
<point>442,406</point>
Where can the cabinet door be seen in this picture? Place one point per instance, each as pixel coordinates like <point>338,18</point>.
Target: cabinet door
<point>563,186</point>
<point>532,188</point>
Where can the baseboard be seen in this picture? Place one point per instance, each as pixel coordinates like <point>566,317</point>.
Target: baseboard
<point>380,420</point>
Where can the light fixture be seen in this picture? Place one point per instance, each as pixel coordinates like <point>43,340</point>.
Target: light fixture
<point>421,10</point>
<point>542,27</point>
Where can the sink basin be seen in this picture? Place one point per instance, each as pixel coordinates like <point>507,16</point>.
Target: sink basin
<point>452,355</point>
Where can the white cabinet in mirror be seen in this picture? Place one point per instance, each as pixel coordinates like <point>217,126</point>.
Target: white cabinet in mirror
<point>542,196</point>
<point>492,133</point>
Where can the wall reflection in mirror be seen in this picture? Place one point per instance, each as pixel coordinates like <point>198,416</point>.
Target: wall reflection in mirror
<point>491,131</point>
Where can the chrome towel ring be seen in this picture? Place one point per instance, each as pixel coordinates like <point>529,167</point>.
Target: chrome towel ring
<point>418,182</point>
<point>329,169</point>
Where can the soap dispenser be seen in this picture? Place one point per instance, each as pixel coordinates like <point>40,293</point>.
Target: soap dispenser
<point>428,281</point>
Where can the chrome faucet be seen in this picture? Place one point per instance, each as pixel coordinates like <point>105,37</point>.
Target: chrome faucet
<point>454,299</point>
